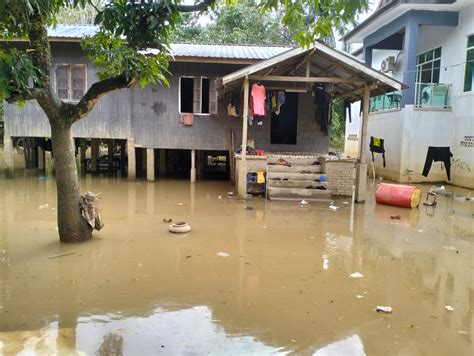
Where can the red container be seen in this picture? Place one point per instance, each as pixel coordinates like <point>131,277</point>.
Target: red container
<point>405,196</point>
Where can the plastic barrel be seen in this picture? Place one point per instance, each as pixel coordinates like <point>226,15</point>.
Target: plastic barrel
<point>405,196</point>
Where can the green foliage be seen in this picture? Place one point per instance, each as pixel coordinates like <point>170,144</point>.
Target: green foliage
<point>113,58</point>
<point>79,15</point>
<point>16,73</point>
<point>316,19</point>
<point>240,23</point>
<point>338,126</point>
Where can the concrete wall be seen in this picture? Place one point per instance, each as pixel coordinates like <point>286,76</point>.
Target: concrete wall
<point>340,176</point>
<point>410,131</point>
<point>151,115</point>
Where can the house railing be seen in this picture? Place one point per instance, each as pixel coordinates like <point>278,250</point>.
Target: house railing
<point>432,95</point>
<point>388,101</point>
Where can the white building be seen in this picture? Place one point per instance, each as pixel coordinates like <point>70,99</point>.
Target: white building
<point>428,45</point>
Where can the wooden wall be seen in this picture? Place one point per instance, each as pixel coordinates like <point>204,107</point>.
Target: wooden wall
<point>151,116</point>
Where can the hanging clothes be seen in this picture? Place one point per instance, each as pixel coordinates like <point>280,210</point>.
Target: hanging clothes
<point>233,105</point>
<point>231,110</point>
<point>281,98</point>
<point>274,101</point>
<point>322,100</point>
<point>259,119</point>
<point>377,146</point>
<point>258,97</point>
<point>250,118</point>
<point>187,118</point>
<point>269,100</point>
<point>438,154</point>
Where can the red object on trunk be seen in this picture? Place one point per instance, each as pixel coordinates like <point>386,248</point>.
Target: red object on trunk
<point>405,196</point>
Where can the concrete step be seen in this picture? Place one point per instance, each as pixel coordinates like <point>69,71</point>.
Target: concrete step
<point>293,158</point>
<point>294,168</point>
<point>302,193</point>
<point>294,176</point>
<point>291,183</point>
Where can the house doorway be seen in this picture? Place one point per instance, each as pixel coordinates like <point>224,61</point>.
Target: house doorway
<point>284,125</point>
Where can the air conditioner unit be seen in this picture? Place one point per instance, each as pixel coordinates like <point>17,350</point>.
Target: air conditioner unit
<point>388,64</point>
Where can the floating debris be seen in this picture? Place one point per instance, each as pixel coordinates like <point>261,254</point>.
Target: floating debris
<point>356,275</point>
<point>384,310</point>
<point>449,307</point>
<point>304,202</point>
<point>44,206</point>
<point>223,254</point>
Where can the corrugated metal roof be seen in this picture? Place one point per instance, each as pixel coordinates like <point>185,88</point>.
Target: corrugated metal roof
<point>182,49</point>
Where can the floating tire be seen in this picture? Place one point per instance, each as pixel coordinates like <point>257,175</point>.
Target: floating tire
<point>180,228</point>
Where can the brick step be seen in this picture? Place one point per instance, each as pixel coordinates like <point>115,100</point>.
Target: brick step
<point>305,160</point>
<point>294,176</point>
<point>302,193</point>
<point>294,168</point>
<point>291,183</point>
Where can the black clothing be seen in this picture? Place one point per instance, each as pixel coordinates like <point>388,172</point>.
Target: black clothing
<point>347,106</point>
<point>438,154</point>
<point>322,100</point>
<point>376,146</point>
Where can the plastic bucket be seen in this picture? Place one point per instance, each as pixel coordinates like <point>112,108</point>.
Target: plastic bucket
<point>405,196</point>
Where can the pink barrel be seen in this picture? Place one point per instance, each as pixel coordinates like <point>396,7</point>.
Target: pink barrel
<point>402,195</point>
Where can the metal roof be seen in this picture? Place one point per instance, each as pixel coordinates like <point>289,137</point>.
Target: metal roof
<point>186,50</point>
<point>347,73</point>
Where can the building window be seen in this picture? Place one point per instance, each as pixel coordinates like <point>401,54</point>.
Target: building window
<point>428,66</point>
<point>198,95</point>
<point>469,71</point>
<point>71,81</point>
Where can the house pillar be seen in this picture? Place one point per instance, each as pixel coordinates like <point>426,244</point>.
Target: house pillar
<point>368,55</point>
<point>193,166</point>
<point>242,185</point>
<point>132,166</point>
<point>95,143</point>
<point>8,155</point>
<point>41,159</point>
<point>361,171</point>
<point>410,44</point>
<point>82,155</point>
<point>110,154</point>
<point>150,164</point>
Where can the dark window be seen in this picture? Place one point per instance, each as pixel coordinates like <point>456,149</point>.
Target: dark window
<point>187,89</point>
<point>284,125</point>
<point>428,66</point>
<point>469,71</point>
<point>205,96</point>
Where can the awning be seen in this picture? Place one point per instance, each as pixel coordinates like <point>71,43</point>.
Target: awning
<point>299,67</point>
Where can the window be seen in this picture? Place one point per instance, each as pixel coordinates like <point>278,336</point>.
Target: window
<point>428,66</point>
<point>70,81</point>
<point>198,95</point>
<point>469,71</point>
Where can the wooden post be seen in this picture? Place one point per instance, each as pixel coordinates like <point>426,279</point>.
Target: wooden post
<point>361,172</point>
<point>82,155</point>
<point>41,158</point>
<point>150,164</point>
<point>193,166</point>
<point>245,119</point>
<point>132,167</point>
<point>8,155</point>
<point>95,143</point>
<point>110,155</point>
<point>162,162</point>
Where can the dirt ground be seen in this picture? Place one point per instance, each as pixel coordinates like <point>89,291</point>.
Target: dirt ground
<point>251,278</point>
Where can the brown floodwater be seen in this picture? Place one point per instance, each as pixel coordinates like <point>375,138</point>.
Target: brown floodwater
<point>267,280</point>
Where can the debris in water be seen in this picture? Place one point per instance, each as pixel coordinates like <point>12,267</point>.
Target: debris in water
<point>249,208</point>
<point>420,230</point>
<point>462,332</point>
<point>88,203</point>
<point>449,247</point>
<point>230,194</point>
<point>449,307</point>
<point>358,296</point>
<point>395,217</point>
<point>219,197</point>
<point>304,202</point>
<point>333,208</point>
<point>179,227</point>
<point>180,204</point>
<point>167,220</point>
<point>62,255</point>
<point>223,254</point>
<point>345,202</point>
<point>293,340</point>
<point>356,275</point>
<point>44,206</point>
<point>385,310</point>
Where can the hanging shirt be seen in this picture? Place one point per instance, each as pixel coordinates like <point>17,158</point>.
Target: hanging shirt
<point>258,97</point>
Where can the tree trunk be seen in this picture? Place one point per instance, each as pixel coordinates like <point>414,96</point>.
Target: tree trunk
<point>72,227</point>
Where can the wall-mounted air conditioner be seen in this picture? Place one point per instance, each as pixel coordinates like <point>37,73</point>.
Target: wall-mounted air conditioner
<point>388,64</point>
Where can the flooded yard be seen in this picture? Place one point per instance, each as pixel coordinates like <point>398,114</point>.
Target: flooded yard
<point>253,277</point>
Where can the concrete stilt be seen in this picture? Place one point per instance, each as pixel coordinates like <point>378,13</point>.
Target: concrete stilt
<point>132,166</point>
<point>193,166</point>
<point>150,164</point>
<point>242,179</point>
<point>360,182</point>
<point>110,155</point>
<point>48,163</point>
<point>95,142</point>
<point>82,155</point>
<point>361,170</point>
<point>8,156</point>
<point>41,161</point>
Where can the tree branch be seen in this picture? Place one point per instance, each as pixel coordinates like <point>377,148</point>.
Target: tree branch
<point>201,6</point>
<point>30,94</point>
<point>95,92</point>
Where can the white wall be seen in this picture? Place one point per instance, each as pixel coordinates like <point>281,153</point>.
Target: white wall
<point>378,55</point>
<point>351,144</point>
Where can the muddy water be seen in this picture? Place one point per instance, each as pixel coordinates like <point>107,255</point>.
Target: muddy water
<point>283,288</point>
